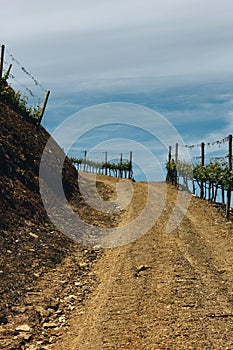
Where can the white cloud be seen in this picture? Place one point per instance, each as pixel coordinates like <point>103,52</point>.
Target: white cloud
<point>107,47</point>
<point>84,40</point>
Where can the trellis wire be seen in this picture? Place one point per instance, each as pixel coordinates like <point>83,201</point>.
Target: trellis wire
<point>27,91</point>
<point>26,71</point>
<point>16,98</point>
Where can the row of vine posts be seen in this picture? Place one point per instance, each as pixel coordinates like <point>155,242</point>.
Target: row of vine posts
<point>122,168</point>
<point>13,101</point>
<point>174,174</point>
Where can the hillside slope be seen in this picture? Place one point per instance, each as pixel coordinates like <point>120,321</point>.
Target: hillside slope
<point>32,249</point>
<point>21,147</point>
<point>28,241</point>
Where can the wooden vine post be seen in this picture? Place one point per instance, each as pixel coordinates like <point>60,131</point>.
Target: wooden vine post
<point>106,160</point>
<point>176,154</point>
<point>121,161</point>
<point>228,202</point>
<point>203,164</point>
<point>44,106</point>
<point>168,177</point>
<point>6,76</point>
<point>169,154</point>
<point>2,61</point>
<point>176,161</point>
<point>85,161</point>
<point>131,165</point>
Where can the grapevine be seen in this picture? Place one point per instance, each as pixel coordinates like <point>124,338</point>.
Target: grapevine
<point>119,169</point>
<point>212,177</point>
<point>16,100</point>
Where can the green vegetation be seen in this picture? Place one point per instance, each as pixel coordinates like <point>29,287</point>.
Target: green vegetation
<point>118,169</point>
<point>211,177</point>
<point>15,99</point>
<point>217,173</point>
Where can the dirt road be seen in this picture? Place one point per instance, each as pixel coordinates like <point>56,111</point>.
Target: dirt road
<point>163,291</point>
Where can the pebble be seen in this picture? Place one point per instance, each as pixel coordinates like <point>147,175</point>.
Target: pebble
<point>23,328</point>
<point>142,268</point>
<point>49,325</point>
<point>19,309</point>
<point>33,235</point>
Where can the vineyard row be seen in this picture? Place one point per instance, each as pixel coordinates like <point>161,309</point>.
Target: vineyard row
<point>121,168</point>
<point>206,180</point>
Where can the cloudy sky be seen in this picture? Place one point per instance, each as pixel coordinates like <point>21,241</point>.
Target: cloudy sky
<point>173,56</point>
